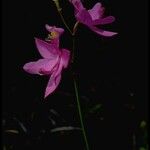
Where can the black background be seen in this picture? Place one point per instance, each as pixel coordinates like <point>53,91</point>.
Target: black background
<point>111,71</point>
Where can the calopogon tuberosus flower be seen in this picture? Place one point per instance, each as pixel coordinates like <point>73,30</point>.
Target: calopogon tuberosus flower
<point>54,59</point>
<point>93,17</point>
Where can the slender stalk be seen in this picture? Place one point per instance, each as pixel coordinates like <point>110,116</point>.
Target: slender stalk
<point>63,20</point>
<point>73,40</point>
<point>134,142</point>
<point>76,88</point>
<point>59,9</point>
<point>73,49</point>
<point>75,84</point>
<point>80,115</point>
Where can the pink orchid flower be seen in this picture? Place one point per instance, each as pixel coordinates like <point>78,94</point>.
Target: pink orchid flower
<point>53,61</point>
<point>93,17</point>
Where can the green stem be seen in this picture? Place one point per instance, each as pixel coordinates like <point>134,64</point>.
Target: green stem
<point>134,142</point>
<point>73,48</point>
<point>75,84</point>
<point>63,20</point>
<point>73,40</point>
<point>59,9</point>
<point>76,88</point>
<point>80,115</point>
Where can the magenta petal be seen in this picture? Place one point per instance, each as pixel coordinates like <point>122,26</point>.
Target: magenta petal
<point>77,5</point>
<point>46,50</point>
<point>84,17</point>
<point>52,84</point>
<point>105,20</point>
<point>56,75</point>
<point>53,28</point>
<point>65,57</point>
<point>40,67</point>
<point>49,28</point>
<point>102,32</point>
<point>97,11</point>
<point>54,80</point>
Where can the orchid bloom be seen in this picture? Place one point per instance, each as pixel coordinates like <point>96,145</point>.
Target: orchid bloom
<point>53,61</point>
<point>92,17</point>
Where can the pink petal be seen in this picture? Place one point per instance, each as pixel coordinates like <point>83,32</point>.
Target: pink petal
<point>97,11</point>
<point>77,5</point>
<point>46,50</point>
<point>55,42</point>
<point>102,32</point>
<point>56,75</point>
<point>52,84</point>
<point>84,17</point>
<point>53,28</point>
<point>105,20</point>
<point>41,67</point>
<point>54,79</point>
<point>65,57</point>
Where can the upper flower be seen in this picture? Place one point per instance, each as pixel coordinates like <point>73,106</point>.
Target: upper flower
<point>53,61</point>
<point>93,17</point>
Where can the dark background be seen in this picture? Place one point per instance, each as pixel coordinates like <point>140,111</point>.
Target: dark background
<point>112,72</point>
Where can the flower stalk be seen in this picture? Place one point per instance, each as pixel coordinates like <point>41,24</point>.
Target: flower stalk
<point>59,9</point>
<point>80,114</point>
<point>74,80</point>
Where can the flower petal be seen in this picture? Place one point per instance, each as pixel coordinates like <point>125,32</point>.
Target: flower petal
<point>54,79</point>
<point>52,84</point>
<point>53,28</point>
<point>105,20</point>
<point>65,57</point>
<point>77,5</point>
<point>46,50</point>
<point>41,67</point>
<point>57,70</point>
<point>84,17</point>
<point>102,32</point>
<point>97,11</point>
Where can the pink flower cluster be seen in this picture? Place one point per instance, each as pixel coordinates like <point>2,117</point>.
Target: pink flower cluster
<point>55,59</point>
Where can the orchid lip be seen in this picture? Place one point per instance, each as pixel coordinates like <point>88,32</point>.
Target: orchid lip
<point>53,35</point>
